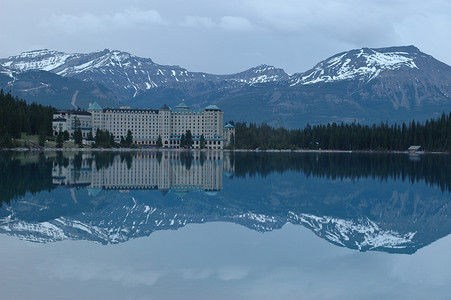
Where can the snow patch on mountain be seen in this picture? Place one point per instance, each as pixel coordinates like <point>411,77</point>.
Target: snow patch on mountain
<point>259,74</point>
<point>37,60</point>
<point>131,221</point>
<point>34,232</point>
<point>363,64</point>
<point>7,72</point>
<point>366,234</point>
<point>259,222</point>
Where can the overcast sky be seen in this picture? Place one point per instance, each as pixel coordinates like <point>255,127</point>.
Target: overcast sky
<point>226,36</point>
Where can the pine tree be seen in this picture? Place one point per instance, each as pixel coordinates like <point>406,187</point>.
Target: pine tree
<point>78,137</point>
<point>90,137</point>
<point>188,139</point>
<point>202,141</point>
<point>182,141</point>
<point>41,140</point>
<point>129,139</point>
<point>60,140</point>
<point>110,140</point>
<point>232,141</point>
<point>42,132</point>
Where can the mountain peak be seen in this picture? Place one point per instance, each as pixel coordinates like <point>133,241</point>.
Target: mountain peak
<point>264,67</point>
<point>408,49</point>
<point>34,53</point>
<point>42,59</point>
<point>260,74</point>
<point>363,64</point>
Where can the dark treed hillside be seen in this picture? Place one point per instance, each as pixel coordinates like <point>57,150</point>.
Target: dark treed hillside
<point>16,116</point>
<point>433,135</point>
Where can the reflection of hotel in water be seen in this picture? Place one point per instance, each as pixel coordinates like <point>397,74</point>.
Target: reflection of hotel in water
<point>165,171</point>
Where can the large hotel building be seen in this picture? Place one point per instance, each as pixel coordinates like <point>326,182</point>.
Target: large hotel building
<point>147,125</point>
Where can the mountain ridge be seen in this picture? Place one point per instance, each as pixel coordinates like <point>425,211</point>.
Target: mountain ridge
<point>367,85</point>
<point>69,64</point>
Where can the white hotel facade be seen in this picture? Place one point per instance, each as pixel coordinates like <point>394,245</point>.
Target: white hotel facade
<point>147,125</point>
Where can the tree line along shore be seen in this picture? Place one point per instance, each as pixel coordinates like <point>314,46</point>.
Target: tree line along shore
<point>30,126</point>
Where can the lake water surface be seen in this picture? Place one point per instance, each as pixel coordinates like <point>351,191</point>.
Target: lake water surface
<point>220,225</point>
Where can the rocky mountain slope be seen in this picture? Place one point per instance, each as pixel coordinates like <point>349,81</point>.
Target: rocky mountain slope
<point>50,89</point>
<point>128,75</point>
<point>364,85</point>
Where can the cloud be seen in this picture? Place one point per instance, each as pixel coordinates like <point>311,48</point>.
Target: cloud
<point>224,273</point>
<point>129,18</point>
<point>231,23</point>
<point>225,23</point>
<point>347,21</point>
<point>194,21</point>
<point>233,273</point>
<point>127,276</point>
<point>291,34</point>
<point>196,273</point>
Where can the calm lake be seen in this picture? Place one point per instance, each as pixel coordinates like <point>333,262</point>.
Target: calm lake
<point>220,225</point>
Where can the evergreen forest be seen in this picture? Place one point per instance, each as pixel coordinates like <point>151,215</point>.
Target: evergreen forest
<point>17,117</point>
<point>432,135</point>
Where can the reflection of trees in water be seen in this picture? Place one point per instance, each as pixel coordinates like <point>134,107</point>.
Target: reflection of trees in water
<point>78,161</point>
<point>23,173</point>
<point>432,169</point>
<point>159,155</point>
<point>61,160</point>
<point>30,172</point>
<point>202,158</point>
<point>104,160</point>
<point>128,158</point>
<point>186,159</point>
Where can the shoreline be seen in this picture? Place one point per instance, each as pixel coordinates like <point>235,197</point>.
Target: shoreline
<point>206,150</point>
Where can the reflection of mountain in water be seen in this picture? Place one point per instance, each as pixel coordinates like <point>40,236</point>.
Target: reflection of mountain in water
<point>364,209</point>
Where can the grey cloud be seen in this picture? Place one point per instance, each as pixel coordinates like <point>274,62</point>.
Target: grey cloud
<point>219,36</point>
<point>195,21</point>
<point>89,22</point>
<point>127,276</point>
<point>226,23</point>
<point>232,23</point>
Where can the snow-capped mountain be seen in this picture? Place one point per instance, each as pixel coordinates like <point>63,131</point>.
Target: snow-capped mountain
<point>260,74</point>
<point>395,84</point>
<point>123,220</point>
<point>361,64</point>
<point>51,89</point>
<point>125,74</point>
<point>44,60</point>
<point>362,234</point>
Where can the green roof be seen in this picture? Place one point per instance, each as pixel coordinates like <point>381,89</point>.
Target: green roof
<point>212,107</point>
<point>94,106</point>
<point>182,105</point>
